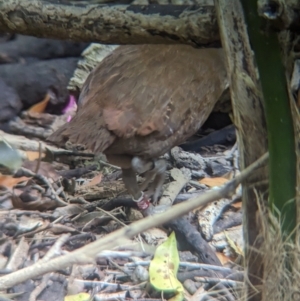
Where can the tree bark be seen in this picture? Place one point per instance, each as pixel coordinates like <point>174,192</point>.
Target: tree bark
<point>249,118</point>
<point>111,24</point>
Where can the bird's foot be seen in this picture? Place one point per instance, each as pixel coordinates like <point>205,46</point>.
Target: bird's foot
<point>153,170</point>
<point>159,174</point>
<point>143,202</point>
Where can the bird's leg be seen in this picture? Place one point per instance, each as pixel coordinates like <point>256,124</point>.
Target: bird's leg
<point>141,166</point>
<point>153,169</point>
<point>129,179</point>
<point>160,175</point>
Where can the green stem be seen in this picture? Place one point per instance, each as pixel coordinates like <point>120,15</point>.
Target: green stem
<point>282,162</point>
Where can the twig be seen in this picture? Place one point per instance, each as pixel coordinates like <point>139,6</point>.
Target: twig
<point>88,253</point>
<point>112,216</point>
<point>29,173</point>
<point>173,189</point>
<point>109,165</point>
<point>124,254</point>
<point>104,284</point>
<point>187,266</point>
<point>118,267</point>
<point>44,227</point>
<point>56,248</point>
<point>18,256</point>
<point>39,159</point>
<point>39,288</point>
<point>214,281</point>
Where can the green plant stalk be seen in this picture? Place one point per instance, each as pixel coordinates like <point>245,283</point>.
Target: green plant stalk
<point>282,162</point>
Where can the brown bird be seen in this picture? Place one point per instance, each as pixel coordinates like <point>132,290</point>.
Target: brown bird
<point>141,101</point>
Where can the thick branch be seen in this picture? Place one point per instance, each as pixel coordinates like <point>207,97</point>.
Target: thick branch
<point>111,24</point>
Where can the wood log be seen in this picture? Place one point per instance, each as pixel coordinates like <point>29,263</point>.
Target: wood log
<point>131,22</point>
<point>111,24</point>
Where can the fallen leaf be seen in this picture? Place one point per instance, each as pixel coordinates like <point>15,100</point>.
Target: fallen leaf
<point>211,182</point>
<point>164,267</point>
<point>31,156</point>
<point>9,182</point>
<point>41,106</point>
<point>96,180</point>
<point>237,205</point>
<point>223,258</point>
<point>32,200</point>
<point>28,197</point>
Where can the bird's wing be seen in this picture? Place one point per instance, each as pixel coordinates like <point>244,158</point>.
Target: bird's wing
<point>153,88</point>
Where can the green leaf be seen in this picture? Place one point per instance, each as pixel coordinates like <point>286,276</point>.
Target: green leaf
<point>164,267</point>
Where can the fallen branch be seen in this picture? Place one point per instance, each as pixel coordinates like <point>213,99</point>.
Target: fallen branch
<point>111,24</point>
<point>87,254</point>
<point>181,178</point>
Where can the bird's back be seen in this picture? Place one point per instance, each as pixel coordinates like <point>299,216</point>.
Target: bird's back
<point>144,99</point>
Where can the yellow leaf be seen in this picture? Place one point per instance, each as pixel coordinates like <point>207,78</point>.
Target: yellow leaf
<point>211,182</point>
<point>41,106</point>
<point>164,266</point>
<point>78,297</point>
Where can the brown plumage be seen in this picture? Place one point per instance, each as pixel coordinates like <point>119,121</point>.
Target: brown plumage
<point>144,99</point>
